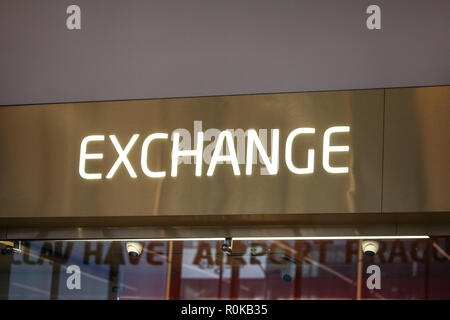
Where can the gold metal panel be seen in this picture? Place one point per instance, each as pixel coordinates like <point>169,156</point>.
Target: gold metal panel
<point>417,150</point>
<point>40,148</point>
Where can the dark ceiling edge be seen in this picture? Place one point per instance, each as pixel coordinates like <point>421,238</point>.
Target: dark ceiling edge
<point>221,95</point>
<point>249,220</point>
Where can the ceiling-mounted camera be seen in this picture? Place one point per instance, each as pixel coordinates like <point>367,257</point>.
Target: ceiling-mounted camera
<point>227,246</point>
<point>370,247</point>
<point>288,270</point>
<point>11,247</point>
<point>134,249</point>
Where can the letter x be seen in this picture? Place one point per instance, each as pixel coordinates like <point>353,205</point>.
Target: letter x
<point>122,156</point>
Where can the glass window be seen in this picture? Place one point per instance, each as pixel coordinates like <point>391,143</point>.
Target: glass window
<point>320,269</point>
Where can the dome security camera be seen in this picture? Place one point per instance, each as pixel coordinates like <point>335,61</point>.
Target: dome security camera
<point>227,246</point>
<point>370,247</point>
<point>288,270</point>
<point>134,249</point>
<point>11,247</point>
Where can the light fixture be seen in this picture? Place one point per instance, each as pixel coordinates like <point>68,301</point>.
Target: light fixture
<point>258,238</point>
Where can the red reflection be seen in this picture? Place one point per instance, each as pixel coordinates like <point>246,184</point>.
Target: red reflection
<point>325,269</point>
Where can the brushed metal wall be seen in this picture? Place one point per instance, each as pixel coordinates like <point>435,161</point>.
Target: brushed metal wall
<point>417,150</point>
<point>399,162</point>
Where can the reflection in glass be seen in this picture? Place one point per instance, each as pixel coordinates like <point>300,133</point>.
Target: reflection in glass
<point>320,269</point>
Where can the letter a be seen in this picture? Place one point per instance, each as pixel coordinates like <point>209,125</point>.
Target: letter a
<point>74,281</point>
<point>73,21</point>
<point>374,20</point>
<point>374,280</point>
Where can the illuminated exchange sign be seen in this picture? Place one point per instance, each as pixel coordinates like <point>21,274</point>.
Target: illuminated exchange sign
<point>316,152</point>
<point>225,139</point>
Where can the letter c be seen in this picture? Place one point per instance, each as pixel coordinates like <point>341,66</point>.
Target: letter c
<point>144,155</point>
